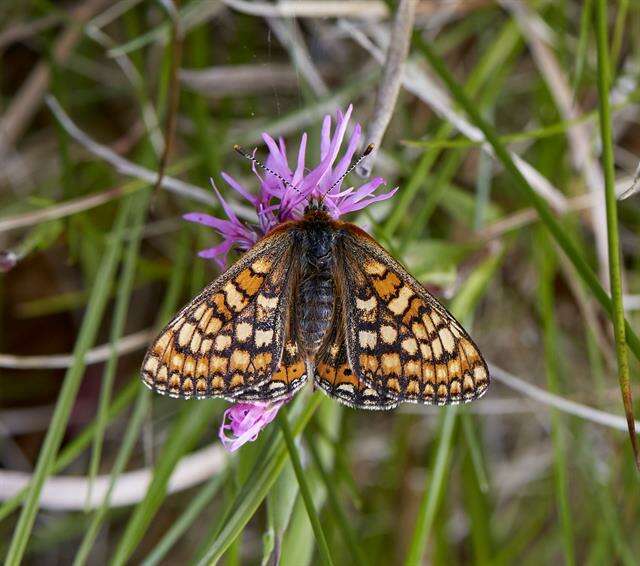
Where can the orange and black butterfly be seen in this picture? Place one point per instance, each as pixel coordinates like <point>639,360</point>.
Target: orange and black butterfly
<point>317,299</point>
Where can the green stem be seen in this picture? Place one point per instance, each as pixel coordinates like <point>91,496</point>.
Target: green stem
<point>433,490</point>
<point>612,222</point>
<point>124,453</point>
<point>544,211</point>
<point>345,528</point>
<point>123,298</point>
<point>255,489</point>
<point>547,268</point>
<point>323,547</point>
<point>73,378</point>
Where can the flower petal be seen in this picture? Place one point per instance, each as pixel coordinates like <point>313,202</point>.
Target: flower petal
<point>239,188</point>
<point>245,421</point>
<point>325,137</point>
<point>347,158</point>
<point>277,158</point>
<point>205,220</point>
<point>299,172</point>
<point>363,203</point>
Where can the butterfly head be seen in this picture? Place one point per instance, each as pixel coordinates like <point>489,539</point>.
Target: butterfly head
<point>315,204</point>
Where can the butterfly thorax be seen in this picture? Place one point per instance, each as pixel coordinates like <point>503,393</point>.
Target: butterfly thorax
<point>315,296</point>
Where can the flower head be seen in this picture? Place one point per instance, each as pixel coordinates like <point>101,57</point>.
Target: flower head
<point>284,193</point>
<point>242,422</point>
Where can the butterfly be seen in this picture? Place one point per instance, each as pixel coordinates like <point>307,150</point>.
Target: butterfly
<point>319,299</point>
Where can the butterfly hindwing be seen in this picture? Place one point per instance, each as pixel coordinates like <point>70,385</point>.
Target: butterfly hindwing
<point>400,340</point>
<point>333,373</point>
<point>335,377</point>
<point>289,377</point>
<point>230,338</point>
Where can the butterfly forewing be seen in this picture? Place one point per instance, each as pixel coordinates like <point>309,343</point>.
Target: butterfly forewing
<point>400,340</point>
<point>230,338</point>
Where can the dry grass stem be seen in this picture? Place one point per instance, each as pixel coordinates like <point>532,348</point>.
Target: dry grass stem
<point>17,32</point>
<point>579,134</point>
<point>124,166</point>
<point>417,81</point>
<point>292,40</point>
<point>565,405</point>
<point>96,355</point>
<point>24,105</point>
<point>391,80</point>
<point>70,493</point>
<point>236,80</point>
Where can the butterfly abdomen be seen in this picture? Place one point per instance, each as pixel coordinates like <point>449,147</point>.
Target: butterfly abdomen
<point>316,289</point>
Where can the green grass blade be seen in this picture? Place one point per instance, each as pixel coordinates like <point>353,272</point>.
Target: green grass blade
<point>494,57</point>
<point>193,420</point>
<point>475,450</point>
<point>618,30</point>
<point>343,523</point>
<point>615,269</point>
<point>188,517</point>
<point>461,306</point>
<point>256,488</point>
<point>280,504</point>
<point>547,269</point>
<point>304,489</point>
<point>74,448</point>
<point>124,453</point>
<point>86,337</point>
<point>123,297</point>
<point>583,44</point>
<point>433,489</point>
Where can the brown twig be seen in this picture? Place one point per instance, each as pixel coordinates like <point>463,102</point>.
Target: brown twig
<point>389,87</point>
<point>174,88</point>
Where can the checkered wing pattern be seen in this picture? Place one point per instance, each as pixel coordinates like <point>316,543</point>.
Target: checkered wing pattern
<point>290,376</point>
<point>401,341</point>
<point>335,377</point>
<point>229,341</point>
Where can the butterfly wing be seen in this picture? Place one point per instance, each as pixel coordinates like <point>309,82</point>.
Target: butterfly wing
<point>400,340</point>
<point>335,377</point>
<point>231,337</point>
<point>288,378</point>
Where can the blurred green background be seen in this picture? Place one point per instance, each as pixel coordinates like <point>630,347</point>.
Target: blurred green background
<point>94,469</point>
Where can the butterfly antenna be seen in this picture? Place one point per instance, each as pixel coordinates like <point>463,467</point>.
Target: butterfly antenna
<point>366,152</point>
<point>238,149</point>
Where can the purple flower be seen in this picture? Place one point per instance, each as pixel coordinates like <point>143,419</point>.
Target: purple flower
<point>245,421</point>
<point>277,201</point>
<point>283,194</point>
